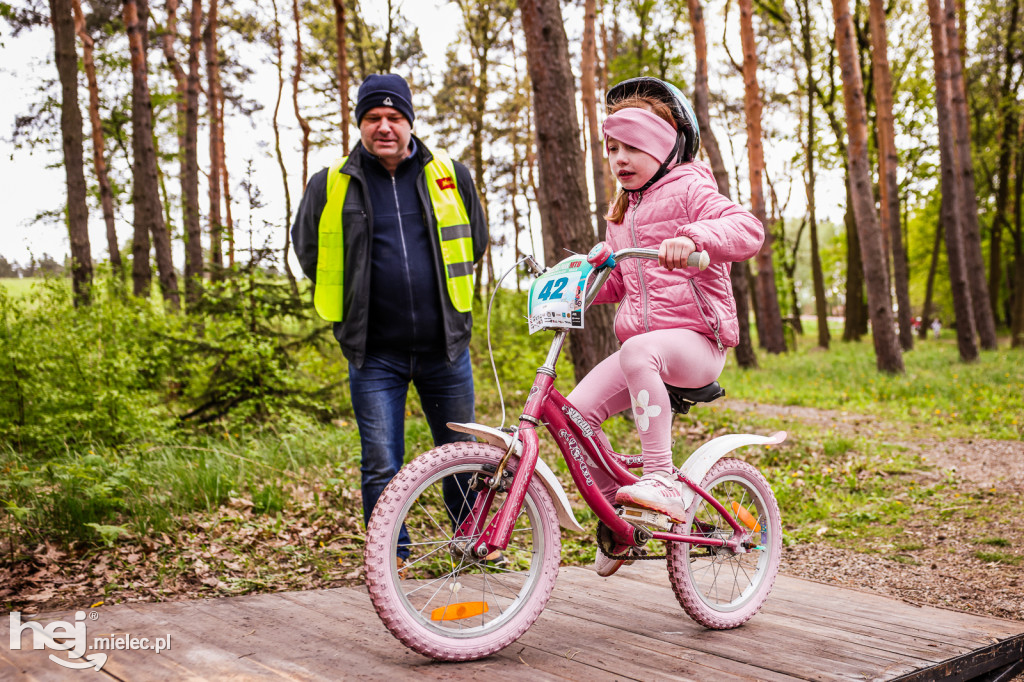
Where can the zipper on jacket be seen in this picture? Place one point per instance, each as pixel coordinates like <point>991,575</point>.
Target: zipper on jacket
<point>701,299</point>
<point>644,302</point>
<point>405,258</point>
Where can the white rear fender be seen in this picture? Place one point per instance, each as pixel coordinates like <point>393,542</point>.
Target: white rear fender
<point>492,436</point>
<point>697,465</point>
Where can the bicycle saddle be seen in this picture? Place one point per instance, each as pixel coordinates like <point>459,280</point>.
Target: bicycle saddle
<point>682,399</point>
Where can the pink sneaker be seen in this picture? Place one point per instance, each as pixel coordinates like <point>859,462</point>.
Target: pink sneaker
<point>657,491</point>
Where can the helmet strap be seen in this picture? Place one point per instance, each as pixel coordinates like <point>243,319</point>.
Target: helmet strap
<point>664,167</point>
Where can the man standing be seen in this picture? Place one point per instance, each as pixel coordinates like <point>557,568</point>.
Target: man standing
<point>389,235</point>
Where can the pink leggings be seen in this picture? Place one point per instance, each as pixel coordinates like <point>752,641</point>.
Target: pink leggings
<point>635,376</point>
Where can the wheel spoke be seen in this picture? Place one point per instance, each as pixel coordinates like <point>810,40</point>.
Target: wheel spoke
<point>442,591</point>
<point>722,587</point>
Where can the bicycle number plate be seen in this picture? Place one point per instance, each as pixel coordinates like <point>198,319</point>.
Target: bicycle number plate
<point>556,297</point>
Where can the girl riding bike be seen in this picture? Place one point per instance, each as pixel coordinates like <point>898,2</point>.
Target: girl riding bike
<point>674,322</point>
<point>722,540</point>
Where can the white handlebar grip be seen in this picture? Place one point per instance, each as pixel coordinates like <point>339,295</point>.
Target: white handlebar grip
<point>698,259</point>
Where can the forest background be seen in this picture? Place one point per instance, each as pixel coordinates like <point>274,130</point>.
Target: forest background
<point>169,372</point>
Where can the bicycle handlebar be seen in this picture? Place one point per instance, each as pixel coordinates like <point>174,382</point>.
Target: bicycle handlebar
<point>604,259</point>
<point>698,259</point>
<point>602,255</point>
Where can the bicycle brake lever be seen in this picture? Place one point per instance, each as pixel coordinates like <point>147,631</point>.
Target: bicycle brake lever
<point>532,265</point>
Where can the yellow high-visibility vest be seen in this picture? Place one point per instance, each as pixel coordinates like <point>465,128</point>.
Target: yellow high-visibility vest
<point>453,231</point>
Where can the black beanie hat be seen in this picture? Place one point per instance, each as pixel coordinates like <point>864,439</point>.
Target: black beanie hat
<point>384,90</point>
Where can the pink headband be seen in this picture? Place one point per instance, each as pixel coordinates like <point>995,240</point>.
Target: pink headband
<point>641,129</point>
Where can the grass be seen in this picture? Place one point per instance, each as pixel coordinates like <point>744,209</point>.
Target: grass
<point>937,392</point>
<point>999,557</point>
<point>145,492</point>
<point>835,485</point>
<point>19,287</point>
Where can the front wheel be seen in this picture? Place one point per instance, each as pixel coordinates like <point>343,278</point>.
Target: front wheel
<point>439,600</point>
<point>719,588</point>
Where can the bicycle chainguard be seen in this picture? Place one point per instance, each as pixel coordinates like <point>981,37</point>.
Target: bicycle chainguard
<point>605,545</point>
<point>648,520</point>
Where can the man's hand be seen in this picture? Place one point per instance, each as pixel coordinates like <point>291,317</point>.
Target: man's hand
<point>673,252</point>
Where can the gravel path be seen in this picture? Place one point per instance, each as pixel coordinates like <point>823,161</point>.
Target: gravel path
<point>946,571</point>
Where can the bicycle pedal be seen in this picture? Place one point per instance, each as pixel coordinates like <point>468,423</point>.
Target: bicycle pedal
<point>644,518</point>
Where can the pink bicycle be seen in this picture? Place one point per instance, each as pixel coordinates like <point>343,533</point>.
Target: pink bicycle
<point>477,567</point>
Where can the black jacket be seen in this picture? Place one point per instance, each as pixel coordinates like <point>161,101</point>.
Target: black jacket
<point>358,223</point>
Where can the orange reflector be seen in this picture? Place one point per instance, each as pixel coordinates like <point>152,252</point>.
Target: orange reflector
<point>466,609</point>
<point>744,516</point>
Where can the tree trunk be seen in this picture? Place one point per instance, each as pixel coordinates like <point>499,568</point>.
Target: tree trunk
<point>279,54</point>
<point>296,79</point>
<point>214,178</point>
<point>964,165</point>
<point>145,175</point>
<point>926,310</point>
<point>950,195</point>
<point>98,143</point>
<point>339,33</point>
<point>1007,142</point>
<point>888,357</point>
<point>181,85</point>
<point>588,75</point>
<point>562,189</point>
<point>770,317</point>
<point>229,223</point>
<point>1017,328</point>
<point>887,162</point>
<point>386,53</point>
<point>74,156</point>
<point>190,178</point>
<point>817,274</point>
<point>745,355</point>
<point>856,323</point>
<point>483,26</point>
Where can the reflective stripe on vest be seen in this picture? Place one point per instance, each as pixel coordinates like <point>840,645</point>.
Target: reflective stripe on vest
<point>453,231</point>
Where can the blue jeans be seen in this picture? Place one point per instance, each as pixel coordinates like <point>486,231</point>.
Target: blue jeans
<point>379,389</point>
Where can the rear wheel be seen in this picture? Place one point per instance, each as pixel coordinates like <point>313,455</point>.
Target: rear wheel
<point>442,601</point>
<point>717,587</point>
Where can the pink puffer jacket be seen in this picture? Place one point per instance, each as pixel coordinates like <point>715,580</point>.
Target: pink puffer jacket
<point>685,202</point>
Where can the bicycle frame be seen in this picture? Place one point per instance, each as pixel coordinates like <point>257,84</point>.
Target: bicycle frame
<point>575,439</point>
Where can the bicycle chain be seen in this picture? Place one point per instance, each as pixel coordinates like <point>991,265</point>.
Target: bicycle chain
<point>604,544</point>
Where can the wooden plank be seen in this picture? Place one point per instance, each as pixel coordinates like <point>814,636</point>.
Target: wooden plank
<point>8,670</point>
<point>645,656</point>
<point>846,603</point>
<point>290,633</point>
<point>515,662</point>
<point>975,663</point>
<point>583,650</point>
<point>827,602</point>
<point>947,623</point>
<point>780,648</point>
<point>595,629</point>
<point>258,631</point>
<point>190,657</point>
<point>126,664</point>
<point>836,630</point>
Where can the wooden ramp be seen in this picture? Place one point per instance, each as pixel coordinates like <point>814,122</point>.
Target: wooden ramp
<point>625,627</point>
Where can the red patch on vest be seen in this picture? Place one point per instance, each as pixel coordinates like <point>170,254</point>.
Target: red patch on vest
<point>445,183</point>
